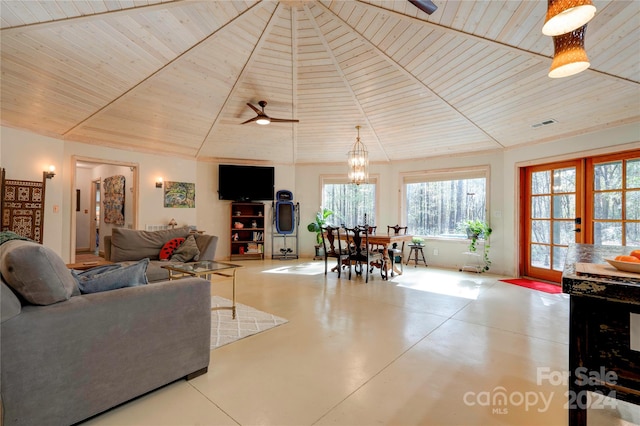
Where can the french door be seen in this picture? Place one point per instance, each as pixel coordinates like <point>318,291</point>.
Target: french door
<point>553,212</point>
<point>593,200</point>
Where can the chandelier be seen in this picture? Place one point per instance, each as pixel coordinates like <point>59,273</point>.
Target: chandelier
<point>358,159</point>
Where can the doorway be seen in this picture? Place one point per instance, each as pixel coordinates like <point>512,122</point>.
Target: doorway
<point>593,200</point>
<point>88,227</point>
<point>94,223</point>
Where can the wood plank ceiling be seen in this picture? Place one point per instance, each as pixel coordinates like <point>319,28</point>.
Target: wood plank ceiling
<point>174,77</point>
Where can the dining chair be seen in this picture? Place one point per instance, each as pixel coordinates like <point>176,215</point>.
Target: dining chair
<point>332,244</point>
<point>361,257</point>
<point>395,252</point>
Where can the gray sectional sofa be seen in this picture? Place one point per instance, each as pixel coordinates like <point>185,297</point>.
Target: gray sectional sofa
<point>126,246</point>
<point>67,356</point>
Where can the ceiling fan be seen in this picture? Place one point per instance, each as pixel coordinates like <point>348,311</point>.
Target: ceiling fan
<point>427,6</point>
<point>263,118</point>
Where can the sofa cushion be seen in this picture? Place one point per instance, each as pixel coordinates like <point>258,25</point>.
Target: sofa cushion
<point>207,246</point>
<point>130,244</point>
<point>10,305</point>
<point>111,277</point>
<point>187,251</point>
<point>170,246</point>
<point>35,272</point>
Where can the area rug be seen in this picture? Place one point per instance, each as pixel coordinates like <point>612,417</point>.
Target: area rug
<point>249,321</point>
<point>535,285</point>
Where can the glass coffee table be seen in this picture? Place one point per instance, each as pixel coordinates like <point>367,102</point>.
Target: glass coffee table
<point>206,269</point>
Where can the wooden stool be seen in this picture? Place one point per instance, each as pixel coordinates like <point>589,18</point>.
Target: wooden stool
<point>414,249</point>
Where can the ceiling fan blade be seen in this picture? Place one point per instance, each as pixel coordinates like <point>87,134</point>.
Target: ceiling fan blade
<point>283,120</point>
<point>250,120</point>
<point>427,6</point>
<point>255,109</point>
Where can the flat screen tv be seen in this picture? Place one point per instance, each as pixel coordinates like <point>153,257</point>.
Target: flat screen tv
<point>245,183</point>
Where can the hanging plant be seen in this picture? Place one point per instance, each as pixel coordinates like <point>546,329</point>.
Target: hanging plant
<point>479,230</point>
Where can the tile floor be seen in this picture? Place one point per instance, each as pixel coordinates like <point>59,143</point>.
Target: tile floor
<point>430,347</point>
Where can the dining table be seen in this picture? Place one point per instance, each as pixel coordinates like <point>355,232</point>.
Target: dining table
<point>384,242</point>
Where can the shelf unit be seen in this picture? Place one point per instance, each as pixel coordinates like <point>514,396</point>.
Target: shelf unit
<point>247,241</point>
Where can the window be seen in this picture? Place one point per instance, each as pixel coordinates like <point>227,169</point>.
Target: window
<point>438,203</point>
<point>350,203</point>
<point>616,200</point>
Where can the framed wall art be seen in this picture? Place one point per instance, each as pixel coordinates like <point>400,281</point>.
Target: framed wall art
<point>180,195</point>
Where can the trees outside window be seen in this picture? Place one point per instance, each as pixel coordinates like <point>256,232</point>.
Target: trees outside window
<point>616,202</point>
<point>439,204</point>
<point>350,203</point>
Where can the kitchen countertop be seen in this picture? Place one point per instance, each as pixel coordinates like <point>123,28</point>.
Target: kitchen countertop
<point>622,289</point>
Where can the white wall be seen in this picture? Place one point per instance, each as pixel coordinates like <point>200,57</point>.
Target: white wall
<point>26,155</point>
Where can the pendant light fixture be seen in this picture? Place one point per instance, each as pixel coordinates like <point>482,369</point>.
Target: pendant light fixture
<point>566,22</point>
<point>569,56</point>
<point>358,159</point>
<point>564,16</point>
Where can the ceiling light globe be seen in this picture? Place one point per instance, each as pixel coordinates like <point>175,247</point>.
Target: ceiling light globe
<point>570,57</point>
<point>564,16</point>
<point>263,121</point>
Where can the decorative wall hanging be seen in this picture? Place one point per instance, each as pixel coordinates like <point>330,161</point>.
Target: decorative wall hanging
<point>180,195</point>
<point>22,207</point>
<point>113,194</point>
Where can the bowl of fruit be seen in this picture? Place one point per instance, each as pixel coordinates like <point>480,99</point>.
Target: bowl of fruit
<point>627,262</point>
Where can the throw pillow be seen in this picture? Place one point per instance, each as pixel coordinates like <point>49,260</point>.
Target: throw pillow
<point>35,272</point>
<point>111,277</point>
<point>167,250</point>
<point>187,251</point>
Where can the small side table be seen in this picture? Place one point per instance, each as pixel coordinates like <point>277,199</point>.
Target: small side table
<point>414,249</point>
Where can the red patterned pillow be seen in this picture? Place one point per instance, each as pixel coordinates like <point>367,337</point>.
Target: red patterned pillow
<point>167,250</point>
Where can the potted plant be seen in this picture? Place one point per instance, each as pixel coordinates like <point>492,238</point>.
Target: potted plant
<point>417,241</point>
<point>316,226</point>
<point>479,229</point>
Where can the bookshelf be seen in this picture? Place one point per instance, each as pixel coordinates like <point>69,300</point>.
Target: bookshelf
<point>247,231</point>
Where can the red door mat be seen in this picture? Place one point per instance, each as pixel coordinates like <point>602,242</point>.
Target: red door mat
<point>535,285</point>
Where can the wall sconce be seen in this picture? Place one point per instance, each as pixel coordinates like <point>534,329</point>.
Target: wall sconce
<point>172,223</point>
<point>49,174</point>
<point>159,182</point>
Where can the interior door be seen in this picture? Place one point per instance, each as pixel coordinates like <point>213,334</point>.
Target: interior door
<point>553,217</point>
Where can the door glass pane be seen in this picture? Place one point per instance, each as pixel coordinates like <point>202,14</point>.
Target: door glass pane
<point>633,174</point>
<point>559,256</point>
<point>633,205</point>
<point>541,182</point>
<point>608,176</point>
<point>607,205</point>
<point>607,233</point>
<point>563,232</point>
<point>541,207</point>
<point>540,256</point>
<point>564,206</point>
<point>633,234</point>
<point>540,231</point>
<point>564,180</point>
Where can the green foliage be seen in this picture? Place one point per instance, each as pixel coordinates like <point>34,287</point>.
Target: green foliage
<point>319,222</point>
<point>478,229</point>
